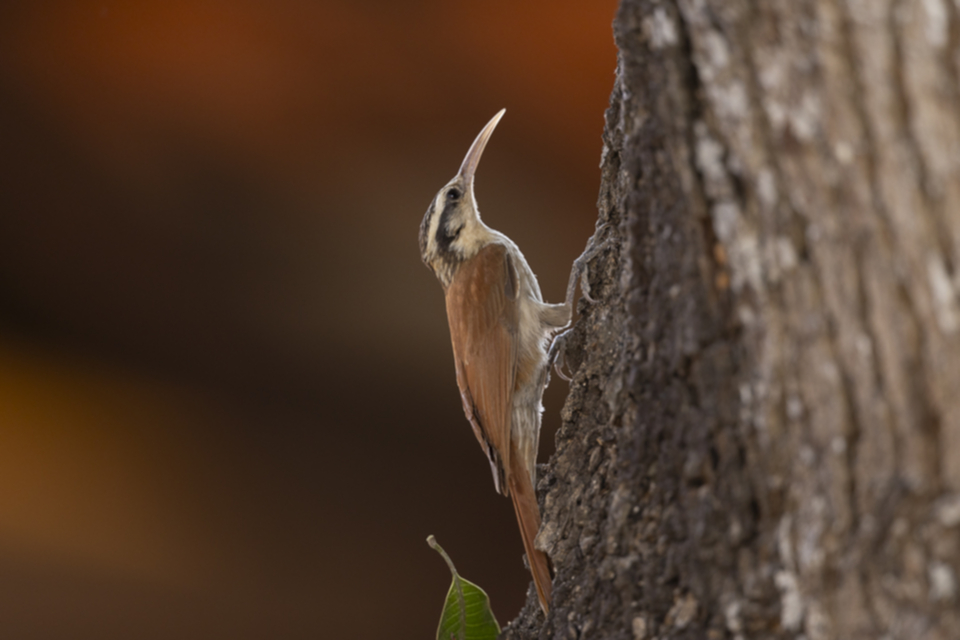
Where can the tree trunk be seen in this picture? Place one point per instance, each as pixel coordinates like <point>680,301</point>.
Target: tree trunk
<point>762,436</point>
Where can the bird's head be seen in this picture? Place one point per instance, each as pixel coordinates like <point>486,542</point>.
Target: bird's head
<point>451,231</point>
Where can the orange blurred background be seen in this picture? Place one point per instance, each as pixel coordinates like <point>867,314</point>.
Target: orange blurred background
<point>227,398</point>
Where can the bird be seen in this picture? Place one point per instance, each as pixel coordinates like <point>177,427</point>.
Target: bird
<point>501,331</point>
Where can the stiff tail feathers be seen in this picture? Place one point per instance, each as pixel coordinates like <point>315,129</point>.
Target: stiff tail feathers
<point>528,517</point>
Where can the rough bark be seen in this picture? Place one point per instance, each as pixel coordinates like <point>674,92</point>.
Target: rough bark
<point>762,436</point>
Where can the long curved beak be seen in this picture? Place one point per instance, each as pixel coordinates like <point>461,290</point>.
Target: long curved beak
<point>470,162</point>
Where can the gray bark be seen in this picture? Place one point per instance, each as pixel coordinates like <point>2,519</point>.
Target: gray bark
<point>762,436</point>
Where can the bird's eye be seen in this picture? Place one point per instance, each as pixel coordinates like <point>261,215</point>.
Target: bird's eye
<point>453,194</point>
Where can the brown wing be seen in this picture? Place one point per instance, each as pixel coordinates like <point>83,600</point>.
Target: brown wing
<point>482,311</point>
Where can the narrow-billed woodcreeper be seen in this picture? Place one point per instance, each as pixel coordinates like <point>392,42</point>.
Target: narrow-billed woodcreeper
<point>500,328</point>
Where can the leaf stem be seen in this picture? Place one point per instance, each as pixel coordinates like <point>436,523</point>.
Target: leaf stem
<point>432,541</point>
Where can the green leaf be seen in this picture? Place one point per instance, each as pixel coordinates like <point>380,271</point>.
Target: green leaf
<point>466,613</point>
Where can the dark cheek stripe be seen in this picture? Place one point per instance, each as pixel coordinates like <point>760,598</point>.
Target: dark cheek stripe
<point>444,236</point>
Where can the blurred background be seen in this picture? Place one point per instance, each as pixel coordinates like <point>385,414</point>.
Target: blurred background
<point>227,398</point>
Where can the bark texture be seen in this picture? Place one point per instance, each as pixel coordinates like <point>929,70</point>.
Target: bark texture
<point>762,436</point>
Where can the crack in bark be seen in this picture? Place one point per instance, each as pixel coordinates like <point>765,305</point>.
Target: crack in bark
<point>904,112</point>
<point>718,275</point>
<point>932,208</point>
<point>885,233</point>
<point>927,413</point>
<point>951,65</point>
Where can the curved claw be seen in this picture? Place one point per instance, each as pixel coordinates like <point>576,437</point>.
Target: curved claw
<point>555,355</point>
<point>558,368</point>
<point>585,283</point>
<point>580,273</point>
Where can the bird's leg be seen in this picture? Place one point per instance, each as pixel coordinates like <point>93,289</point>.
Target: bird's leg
<point>580,273</point>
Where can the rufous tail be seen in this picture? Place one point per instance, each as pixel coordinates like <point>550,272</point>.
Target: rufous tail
<point>528,516</point>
